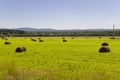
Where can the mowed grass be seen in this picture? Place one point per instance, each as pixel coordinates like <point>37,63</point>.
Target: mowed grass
<point>77,59</point>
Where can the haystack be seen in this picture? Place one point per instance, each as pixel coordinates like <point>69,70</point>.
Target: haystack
<point>7,42</point>
<point>104,49</point>
<point>33,40</point>
<point>104,44</point>
<point>72,37</point>
<point>64,40</point>
<point>99,37</point>
<point>20,49</point>
<point>41,40</point>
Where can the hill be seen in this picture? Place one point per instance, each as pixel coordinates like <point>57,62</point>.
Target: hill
<point>34,29</point>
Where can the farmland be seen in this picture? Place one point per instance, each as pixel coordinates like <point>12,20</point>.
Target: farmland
<point>76,59</point>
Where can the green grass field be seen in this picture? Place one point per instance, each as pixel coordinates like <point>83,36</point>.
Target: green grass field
<point>77,59</point>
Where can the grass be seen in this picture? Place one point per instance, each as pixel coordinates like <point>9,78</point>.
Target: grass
<point>77,59</point>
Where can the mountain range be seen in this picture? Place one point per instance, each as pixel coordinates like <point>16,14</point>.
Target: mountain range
<point>34,29</point>
<point>49,29</point>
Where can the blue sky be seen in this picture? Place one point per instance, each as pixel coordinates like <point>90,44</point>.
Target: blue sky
<point>60,14</point>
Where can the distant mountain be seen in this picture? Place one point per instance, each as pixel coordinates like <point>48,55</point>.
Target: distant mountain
<point>33,29</point>
<point>49,29</point>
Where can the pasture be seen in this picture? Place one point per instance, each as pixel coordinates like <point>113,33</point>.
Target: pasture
<point>76,59</point>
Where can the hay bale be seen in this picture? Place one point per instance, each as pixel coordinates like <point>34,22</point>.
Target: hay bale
<point>99,37</point>
<point>41,40</point>
<point>72,37</point>
<point>20,49</point>
<point>64,40</point>
<point>112,38</point>
<point>87,37</point>
<point>7,42</point>
<point>33,40</point>
<point>6,39</point>
<point>2,38</point>
<point>104,44</point>
<point>104,49</point>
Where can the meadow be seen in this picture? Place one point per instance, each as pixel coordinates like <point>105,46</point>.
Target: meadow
<point>76,59</point>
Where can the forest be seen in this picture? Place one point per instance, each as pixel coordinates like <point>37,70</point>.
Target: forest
<point>21,33</point>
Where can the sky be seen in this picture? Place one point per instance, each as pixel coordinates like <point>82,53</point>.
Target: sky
<point>60,14</point>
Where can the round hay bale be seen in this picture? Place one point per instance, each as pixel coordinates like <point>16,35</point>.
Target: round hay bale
<point>41,40</point>
<point>6,39</point>
<point>112,38</point>
<point>20,49</point>
<point>87,37</point>
<point>2,38</point>
<point>104,44</point>
<point>7,42</point>
<point>72,37</point>
<point>33,40</point>
<point>104,49</point>
<point>64,40</point>
<point>99,37</point>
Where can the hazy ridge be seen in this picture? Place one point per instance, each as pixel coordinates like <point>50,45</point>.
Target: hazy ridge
<point>50,29</point>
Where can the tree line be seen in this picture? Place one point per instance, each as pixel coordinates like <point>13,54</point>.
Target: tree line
<point>20,33</point>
